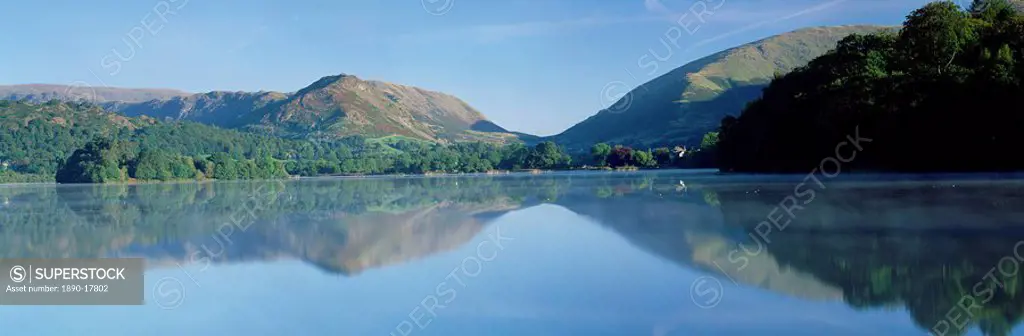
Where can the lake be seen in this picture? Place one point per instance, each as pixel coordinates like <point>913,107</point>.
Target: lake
<point>643,253</point>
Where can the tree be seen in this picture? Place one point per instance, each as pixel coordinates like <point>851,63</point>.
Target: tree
<point>599,153</point>
<point>204,166</point>
<point>547,155</point>
<point>184,168</point>
<point>515,156</point>
<point>153,164</point>
<point>268,168</point>
<point>224,167</point>
<point>644,159</point>
<point>933,36</point>
<point>992,10</point>
<point>663,156</point>
<point>101,161</point>
<point>621,156</point>
<point>709,141</point>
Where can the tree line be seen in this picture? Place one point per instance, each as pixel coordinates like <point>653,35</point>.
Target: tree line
<point>105,160</point>
<point>625,157</point>
<point>77,142</point>
<point>940,94</point>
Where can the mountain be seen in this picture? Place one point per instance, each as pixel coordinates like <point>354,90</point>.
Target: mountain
<point>334,106</point>
<point>346,105</point>
<point>683,104</point>
<point>41,93</point>
<point>338,242</point>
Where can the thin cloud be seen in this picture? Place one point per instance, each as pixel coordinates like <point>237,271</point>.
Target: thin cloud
<point>776,18</point>
<point>811,10</point>
<point>656,7</point>
<point>498,32</point>
<point>747,15</point>
<point>737,12</point>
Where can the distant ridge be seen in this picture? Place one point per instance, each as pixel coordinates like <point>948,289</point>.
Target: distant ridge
<point>40,93</point>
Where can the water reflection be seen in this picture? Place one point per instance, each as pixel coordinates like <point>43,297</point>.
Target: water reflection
<point>926,247</point>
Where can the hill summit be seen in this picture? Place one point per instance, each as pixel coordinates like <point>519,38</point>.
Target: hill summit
<point>347,105</point>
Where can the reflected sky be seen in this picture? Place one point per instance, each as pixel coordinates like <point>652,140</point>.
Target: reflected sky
<point>579,254</point>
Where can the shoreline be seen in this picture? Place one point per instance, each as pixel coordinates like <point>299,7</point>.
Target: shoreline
<point>858,176</point>
<point>525,172</point>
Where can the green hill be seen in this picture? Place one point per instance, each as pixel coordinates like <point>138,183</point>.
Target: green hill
<point>332,107</point>
<point>681,105</point>
<point>34,138</point>
<point>38,139</point>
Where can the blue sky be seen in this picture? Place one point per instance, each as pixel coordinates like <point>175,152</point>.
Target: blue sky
<point>537,66</point>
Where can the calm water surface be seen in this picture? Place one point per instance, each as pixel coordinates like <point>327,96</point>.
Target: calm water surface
<point>664,253</point>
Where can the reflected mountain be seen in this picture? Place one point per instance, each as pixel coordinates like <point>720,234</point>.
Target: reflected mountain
<point>341,227</point>
<point>685,226</point>
<point>686,229</point>
<point>923,245</point>
<point>948,251</point>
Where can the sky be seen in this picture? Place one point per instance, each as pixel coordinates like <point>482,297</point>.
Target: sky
<point>536,66</point>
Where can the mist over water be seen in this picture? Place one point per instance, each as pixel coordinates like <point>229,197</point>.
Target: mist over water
<point>647,253</point>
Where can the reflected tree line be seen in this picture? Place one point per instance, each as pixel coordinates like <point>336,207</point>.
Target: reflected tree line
<point>872,243</point>
<point>907,245</point>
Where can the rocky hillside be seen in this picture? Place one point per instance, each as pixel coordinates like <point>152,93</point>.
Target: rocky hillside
<point>681,105</point>
<point>218,108</point>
